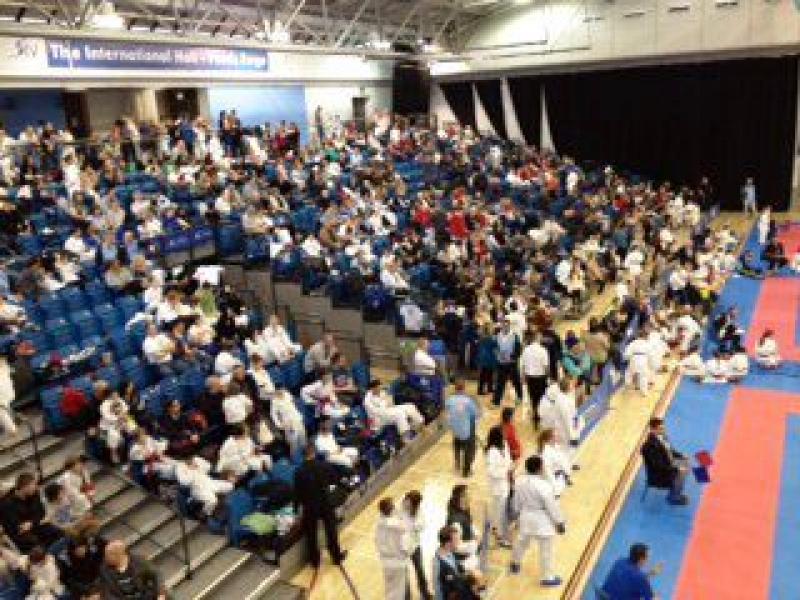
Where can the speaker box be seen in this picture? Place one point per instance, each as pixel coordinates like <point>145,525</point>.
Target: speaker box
<point>411,84</point>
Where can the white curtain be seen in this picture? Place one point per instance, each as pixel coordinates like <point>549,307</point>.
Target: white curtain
<point>513,130</point>
<point>482,122</point>
<point>440,107</point>
<point>546,141</point>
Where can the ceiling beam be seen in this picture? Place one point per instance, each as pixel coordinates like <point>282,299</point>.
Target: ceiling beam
<point>349,28</point>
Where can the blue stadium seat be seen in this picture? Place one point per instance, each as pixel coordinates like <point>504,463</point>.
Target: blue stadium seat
<point>109,318</point>
<point>98,292</point>
<point>203,245</point>
<point>110,374</point>
<point>75,299</point>
<point>60,331</point>
<point>52,306</point>
<point>153,401</point>
<point>122,346</point>
<point>54,419</point>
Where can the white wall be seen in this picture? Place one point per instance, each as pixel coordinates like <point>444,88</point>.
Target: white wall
<point>338,99</point>
<point>558,32</point>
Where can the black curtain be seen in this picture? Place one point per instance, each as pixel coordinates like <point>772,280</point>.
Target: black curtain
<point>491,96</point>
<point>725,119</point>
<point>459,96</point>
<point>527,100</point>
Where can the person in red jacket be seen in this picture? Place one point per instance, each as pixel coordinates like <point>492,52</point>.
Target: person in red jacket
<point>457,225</point>
<point>510,433</point>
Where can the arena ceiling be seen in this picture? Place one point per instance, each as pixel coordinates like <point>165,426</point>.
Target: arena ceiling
<point>368,25</point>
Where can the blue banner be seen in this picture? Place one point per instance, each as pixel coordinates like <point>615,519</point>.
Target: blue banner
<point>92,54</point>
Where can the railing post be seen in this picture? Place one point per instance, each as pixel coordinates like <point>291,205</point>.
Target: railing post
<point>184,542</point>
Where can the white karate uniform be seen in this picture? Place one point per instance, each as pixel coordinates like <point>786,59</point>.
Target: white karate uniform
<point>202,487</point>
<point>236,408</point>
<point>558,411</point>
<point>238,455</point>
<point>424,363</point>
<point>767,354</point>
<point>556,467</point>
<point>115,421</point>
<point>393,543</point>
<point>498,466</point>
<point>658,350</point>
<point>539,514</point>
<point>72,484</point>
<point>152,452</point>
<point>278,344</point>
<point>738,366</point>
<point>693,366</point>
<point>637,353</point>
<point>6,398</point>
<point>382,411</point>
<point>288,419</point>
<point>345,456</point>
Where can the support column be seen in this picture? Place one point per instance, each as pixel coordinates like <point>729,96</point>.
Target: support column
<point>145,106</point>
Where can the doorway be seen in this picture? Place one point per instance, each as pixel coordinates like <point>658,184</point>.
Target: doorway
<point>177,103</point>
<point>76,114</point>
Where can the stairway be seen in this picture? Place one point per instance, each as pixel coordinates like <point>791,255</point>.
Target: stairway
<point>150,527</point>
<point>314,314</point>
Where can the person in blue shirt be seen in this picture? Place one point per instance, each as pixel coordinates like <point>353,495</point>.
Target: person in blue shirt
<point>628,579</point>
<point>463,414</point>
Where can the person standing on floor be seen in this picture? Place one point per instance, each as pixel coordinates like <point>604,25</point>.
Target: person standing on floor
<point>500,471</point>
<point>312,484</point>
<point>508,351</point>
<point>535,363</point>
<point>393,543</point>
<point>749,200</point>
<point>415,524</point>
<point>463,414</point>
<point>540,519</point>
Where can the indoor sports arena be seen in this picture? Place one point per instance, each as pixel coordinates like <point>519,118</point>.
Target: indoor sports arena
<point>399,300</point>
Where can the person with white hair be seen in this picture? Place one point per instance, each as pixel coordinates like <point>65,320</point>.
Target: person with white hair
<point>382,411</point>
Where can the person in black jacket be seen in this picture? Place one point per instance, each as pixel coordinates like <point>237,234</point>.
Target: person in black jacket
<point>666,467</point>
<point>314,483</point>
<point>23,516</point>
<point>450,581</point>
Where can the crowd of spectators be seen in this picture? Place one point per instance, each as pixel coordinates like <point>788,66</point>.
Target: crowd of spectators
<point>476,243</point>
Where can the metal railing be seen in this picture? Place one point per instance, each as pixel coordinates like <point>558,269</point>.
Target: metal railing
<point>173,507</point>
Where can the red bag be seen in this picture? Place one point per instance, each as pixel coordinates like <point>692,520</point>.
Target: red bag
<point>73,402</point>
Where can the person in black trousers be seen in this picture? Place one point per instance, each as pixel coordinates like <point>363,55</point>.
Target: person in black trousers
<point>411,505</point>
<point>507,351</point>
<point>312,488</point>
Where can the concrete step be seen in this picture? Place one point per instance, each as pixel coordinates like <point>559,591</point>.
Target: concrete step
<point>207,579</point>
<point>117,507</point>
<point>345,320</point>
<point>284,591</point>
<point>381,335</point>
<point>162,537</point>
<point>135,525</point>
<point>254,579</point>
<point>203,547</point>
<point>23,433</point>
<point>52,456</point>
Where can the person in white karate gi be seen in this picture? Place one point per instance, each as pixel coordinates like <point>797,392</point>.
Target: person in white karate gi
<point>540,519</point>
<point>556,465</point>
<point>658,350</point>
<point>115,423</point>
<point>393,543</point>
<point>558,411</point>
<point>288,420</point>
<point>194,474</point>
<point>382,410</point>
<point>637,353</point>
<point>153,454</point>
<point>326,444</point>
<point>767,353</point>
<point>738,365</point>
<point>77,484</point>
<point>692,365</point>
<point>500,472</point>
<point>239,455</point>
<point>278,344</point>
<point>7,396</point>
<point>717,369</point>
<point>322,395</point>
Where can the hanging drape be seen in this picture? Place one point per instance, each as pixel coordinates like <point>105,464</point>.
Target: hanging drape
<point>459,96</point>
<point>526,97</point>
<point>491,97</point>
<point>726,119</point>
